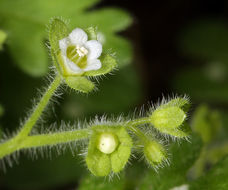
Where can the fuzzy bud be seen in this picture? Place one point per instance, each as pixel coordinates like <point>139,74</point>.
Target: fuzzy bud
<point>154,152</point>
<point>109,149</point>
<point>169,118</point>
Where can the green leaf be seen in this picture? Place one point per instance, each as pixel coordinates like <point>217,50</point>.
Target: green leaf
<point>184,154</point>
<point>90,182</point>
<point>26,20</point>
<point>3,36</point>
<point>80,84</point>
<point>215,179</point>
<point>108,64</point>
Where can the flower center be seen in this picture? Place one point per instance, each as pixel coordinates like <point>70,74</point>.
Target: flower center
<point>107,143</point>
<point>77,54</point>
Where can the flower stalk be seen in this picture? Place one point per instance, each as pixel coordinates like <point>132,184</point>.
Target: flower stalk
<point>40,107</point>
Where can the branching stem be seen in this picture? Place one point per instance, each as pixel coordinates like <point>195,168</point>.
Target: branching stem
<point>132,126</point>
<point>22,140</point>
<point>15,143</point>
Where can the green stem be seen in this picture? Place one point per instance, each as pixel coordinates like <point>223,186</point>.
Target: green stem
<point>55,138</point>
<point>139,121</point>
<point>14,143</point>
<point>132,126</point>
<point>39,108</point>
<point>42,140</point>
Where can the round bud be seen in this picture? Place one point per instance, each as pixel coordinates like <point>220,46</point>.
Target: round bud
<point>107,143</point>
<point>154,152</point>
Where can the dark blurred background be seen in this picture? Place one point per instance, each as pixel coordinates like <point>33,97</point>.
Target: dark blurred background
<point>155,34</point>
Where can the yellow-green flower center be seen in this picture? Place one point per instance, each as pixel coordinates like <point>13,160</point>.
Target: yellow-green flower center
<point>107,143</point>
<point>77,54</point>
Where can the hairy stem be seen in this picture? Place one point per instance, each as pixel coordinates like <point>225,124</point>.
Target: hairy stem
<point>15,144</point>
<point>55,138</point>
<point>40,107</point>
<point>22,140</point>
<point>139,121</point>
<point>132,126</point>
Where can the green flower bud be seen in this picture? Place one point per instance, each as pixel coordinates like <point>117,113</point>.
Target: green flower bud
<point>169,117</point>
<point>109,149</point>
<point>154,153</point>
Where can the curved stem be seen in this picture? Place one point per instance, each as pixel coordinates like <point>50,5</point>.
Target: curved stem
<point>39,108</point>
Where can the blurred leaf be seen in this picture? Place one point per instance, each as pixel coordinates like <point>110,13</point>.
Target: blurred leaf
<point>90,182</point>
<point>206,123</point>
<point>1,113</point>
<point>196,83</point>
<point>1,110</point>
<point>2,38</point>
<point>25,22</point>
<point>215,179</point>
<point>183,157</point>
<point>206,39</point>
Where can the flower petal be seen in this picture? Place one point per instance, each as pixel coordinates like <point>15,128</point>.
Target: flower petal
<point>70,66</point>
<point>74,68</point>
<point>95,49</point>
<point>63,43</point>
<point>93,64</point>
<point>78,36</point>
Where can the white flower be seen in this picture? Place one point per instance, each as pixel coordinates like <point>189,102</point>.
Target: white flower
<point>78,54</point>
